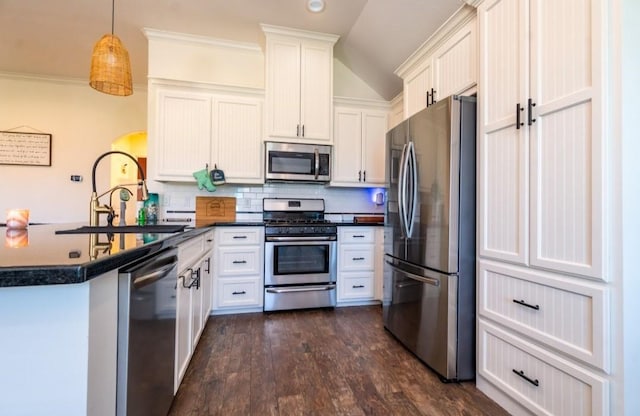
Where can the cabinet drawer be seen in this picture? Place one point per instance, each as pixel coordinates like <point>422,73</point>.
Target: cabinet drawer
<point>190,251</point>
<point>538,380</point>
<point>233,261</point>
<point>560,312</point>
<point>356,286</point>
<point>349,235</point>
<point>355,257</point>
<point>232,293</point>
<point>239,235</point>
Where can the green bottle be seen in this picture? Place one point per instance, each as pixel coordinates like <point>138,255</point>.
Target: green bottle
<point>142,217</point>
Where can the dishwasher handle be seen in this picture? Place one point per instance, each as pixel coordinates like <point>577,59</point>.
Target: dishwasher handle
<point>152,277</point>
<point>153,269</point>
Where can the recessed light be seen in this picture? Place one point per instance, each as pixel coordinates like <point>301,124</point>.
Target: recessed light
<point>315,6</point>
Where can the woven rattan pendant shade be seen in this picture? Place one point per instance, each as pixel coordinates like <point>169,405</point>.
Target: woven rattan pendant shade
<point>110,67</point>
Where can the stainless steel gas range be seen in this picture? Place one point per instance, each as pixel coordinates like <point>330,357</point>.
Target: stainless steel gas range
<point>300,255</point>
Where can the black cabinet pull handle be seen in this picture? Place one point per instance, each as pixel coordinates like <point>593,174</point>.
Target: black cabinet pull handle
<point>239,237</point>
<point>357,286</point>
<point>303,130</point>
<point>359,176</point>
<point>364,176</point>
<point>518,111</point>
<point>531,104</point>
<point>297,130</point>
<point>427,98</point>
<point>523,303</point>
<point>209,240</point>
<point>433,96</point>
<point>358,236</point>
<point>239,262</point>
<point>239,293</point>
<point>521,374</point>
<point>208,269</point>
<point>358,258</point>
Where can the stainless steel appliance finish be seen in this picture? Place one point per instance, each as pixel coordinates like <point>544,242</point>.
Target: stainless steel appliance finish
<point>297,162</point>
<point>431,258</point>
<point>300,255</point>
<point>147,335</point>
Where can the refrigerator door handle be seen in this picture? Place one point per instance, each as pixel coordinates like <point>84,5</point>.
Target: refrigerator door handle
<point>428,280</point>
<point>411,212</point>
<point>402,191</point>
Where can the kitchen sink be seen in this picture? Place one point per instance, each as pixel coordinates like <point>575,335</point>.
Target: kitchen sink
<point>132,229</point>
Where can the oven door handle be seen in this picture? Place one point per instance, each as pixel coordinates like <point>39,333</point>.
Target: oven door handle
<point>301,289</point>
<point>294,239</point>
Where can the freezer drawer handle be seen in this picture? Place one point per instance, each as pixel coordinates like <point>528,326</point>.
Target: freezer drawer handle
<point>301,289</point>
<point>428,280</point>
<point>523,303</point>
<point>239,293</point>
<point>521,374</point>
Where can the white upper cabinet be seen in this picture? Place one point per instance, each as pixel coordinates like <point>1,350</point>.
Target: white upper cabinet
<point>299,84</point>
<point>237,135</point>
<point>359,145</point>
<point>540,140</point>
<point>444,65</point>
<point>180,125</point>
<point>196,125</point>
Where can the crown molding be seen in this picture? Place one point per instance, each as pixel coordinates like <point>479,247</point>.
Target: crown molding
<point>155,34</point>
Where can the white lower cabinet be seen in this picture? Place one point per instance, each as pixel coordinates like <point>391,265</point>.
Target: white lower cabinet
<point>238,270</point>
<point>542,341</point>
<point>358,258</point>
<point>541,382</point>
<point>193,291</point>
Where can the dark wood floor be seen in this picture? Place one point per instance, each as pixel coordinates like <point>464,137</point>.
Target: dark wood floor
<point>315,362</point>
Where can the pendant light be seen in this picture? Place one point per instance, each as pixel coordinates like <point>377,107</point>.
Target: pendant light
<point>110,67</point>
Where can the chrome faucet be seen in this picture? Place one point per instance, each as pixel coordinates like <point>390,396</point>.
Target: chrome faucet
<point>95,209</point>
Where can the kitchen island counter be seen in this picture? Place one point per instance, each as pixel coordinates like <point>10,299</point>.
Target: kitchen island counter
<point>39,256</point>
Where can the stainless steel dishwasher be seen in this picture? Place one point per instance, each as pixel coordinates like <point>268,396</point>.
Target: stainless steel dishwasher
<point>147,334</point>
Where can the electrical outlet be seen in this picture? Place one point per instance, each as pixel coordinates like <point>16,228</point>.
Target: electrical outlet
<point>76,178</point>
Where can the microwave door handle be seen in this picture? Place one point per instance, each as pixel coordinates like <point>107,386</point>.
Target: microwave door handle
<point>317,161</point>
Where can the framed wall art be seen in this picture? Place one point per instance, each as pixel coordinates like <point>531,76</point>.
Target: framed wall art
<point>21,148</point>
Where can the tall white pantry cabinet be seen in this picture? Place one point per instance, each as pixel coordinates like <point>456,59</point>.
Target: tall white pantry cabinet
<point>544,343</point>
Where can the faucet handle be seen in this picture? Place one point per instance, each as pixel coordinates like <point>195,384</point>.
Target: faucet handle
<point>111,215</point>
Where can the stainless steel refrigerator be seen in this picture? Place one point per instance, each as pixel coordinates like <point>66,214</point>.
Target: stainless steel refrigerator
<point>430,240</point>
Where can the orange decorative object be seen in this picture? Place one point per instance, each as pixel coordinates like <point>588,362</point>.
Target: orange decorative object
<point>18,219</point>
<point>17,238</point>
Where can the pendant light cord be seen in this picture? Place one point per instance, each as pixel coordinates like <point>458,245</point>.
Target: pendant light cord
<point>113,14</point>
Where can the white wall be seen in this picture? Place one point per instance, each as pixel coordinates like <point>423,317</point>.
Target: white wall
<point>83,123</point>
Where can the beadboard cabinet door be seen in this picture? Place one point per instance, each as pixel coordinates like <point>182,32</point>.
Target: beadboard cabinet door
<point>181,127</point>
<point>541,151</point>
<point>237,138</point>
<point>503,149</point>
<point>567,142</point>
<point>359,137</point>
<point>299,84</point>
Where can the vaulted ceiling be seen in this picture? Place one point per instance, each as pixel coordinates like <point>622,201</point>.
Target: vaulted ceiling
<point>56,37</point>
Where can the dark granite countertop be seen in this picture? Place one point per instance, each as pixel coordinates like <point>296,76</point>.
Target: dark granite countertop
<point>39,256</point>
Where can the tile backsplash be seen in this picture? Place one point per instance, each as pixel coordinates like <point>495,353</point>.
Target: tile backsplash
<point>179,196</point>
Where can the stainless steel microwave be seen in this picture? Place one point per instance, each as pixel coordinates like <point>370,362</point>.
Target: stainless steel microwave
<point>297,162</point>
